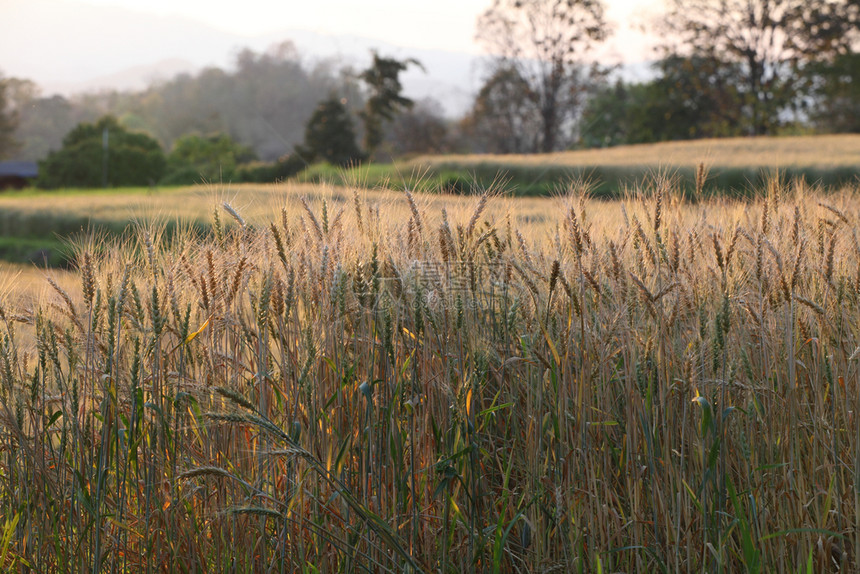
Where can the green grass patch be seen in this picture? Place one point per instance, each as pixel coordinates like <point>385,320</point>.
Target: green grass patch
<point>41,236</point>
<point>41,251</point>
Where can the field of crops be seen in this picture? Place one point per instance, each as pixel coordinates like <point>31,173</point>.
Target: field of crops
<point>822,151</point>
<point>336,380</point>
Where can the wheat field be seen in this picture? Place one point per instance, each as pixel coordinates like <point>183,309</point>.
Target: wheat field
<point>355,381</point>
<point>816,151</point>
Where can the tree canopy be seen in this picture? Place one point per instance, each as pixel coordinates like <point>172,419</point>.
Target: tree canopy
<point>8,121</point>
<point>836,94</point>
<point>765,43</point>
<point>690,98</point>
<point>103,153</point>
<point>329,134</point>
<point>385,97</point>
<point>208,158</point>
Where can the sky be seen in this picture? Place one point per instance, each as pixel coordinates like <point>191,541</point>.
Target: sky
<point>433,24</point>
<point>69,46</point>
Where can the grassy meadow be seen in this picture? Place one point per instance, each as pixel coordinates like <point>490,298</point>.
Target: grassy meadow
<point>318,379</point>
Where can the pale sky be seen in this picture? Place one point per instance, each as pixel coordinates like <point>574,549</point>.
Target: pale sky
<point>412,23</point>
<point>68,46</point>
<point>433,24</point>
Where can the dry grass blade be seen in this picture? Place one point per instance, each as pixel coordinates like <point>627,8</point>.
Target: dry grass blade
<point>234,214</point>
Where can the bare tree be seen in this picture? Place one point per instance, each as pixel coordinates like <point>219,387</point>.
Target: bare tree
<point>768,39</point>
<point>503,118</point>
<point>422,129</point>
<point>545,42</point>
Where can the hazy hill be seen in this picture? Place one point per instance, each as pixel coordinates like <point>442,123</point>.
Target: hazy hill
<point>68,60</point>
<point>263,101</point>
<point>135,78</point>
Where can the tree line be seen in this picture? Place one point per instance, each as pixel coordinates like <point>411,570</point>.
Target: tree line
<point>726,68</point>
<point>112,151</point>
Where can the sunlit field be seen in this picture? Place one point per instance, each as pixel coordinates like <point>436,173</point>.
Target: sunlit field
<point>336,380</point>
<point>40,213</point>
<point>822,151</point>
<point>255,201</point>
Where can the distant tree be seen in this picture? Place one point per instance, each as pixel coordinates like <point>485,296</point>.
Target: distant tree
<point>698,96</point>
<point>606,117</point>
<point>329,135</point>
<point>422,129</point>
<point>263,100</point>
<point>765,41</point>
<point>503,118</point>
<point>44,121</point>
<point>19,93</point>
<point>382,79</point>
<point>132,158</point>
<point>544,43</point>
<point>835,96</point>
<point>819,29</point>
<point>8,120</point>
<point>690,98</point>
<point>207,158</point>
<point>272,94</point>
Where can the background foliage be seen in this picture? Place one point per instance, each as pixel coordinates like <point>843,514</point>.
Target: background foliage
<point>130,158</point>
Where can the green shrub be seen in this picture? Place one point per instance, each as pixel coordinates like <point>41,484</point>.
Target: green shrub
<point>287,166</point>
<point>182,176</point>
<point>197,158</point>
<point>330,136</point>
<point>127,159</point>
